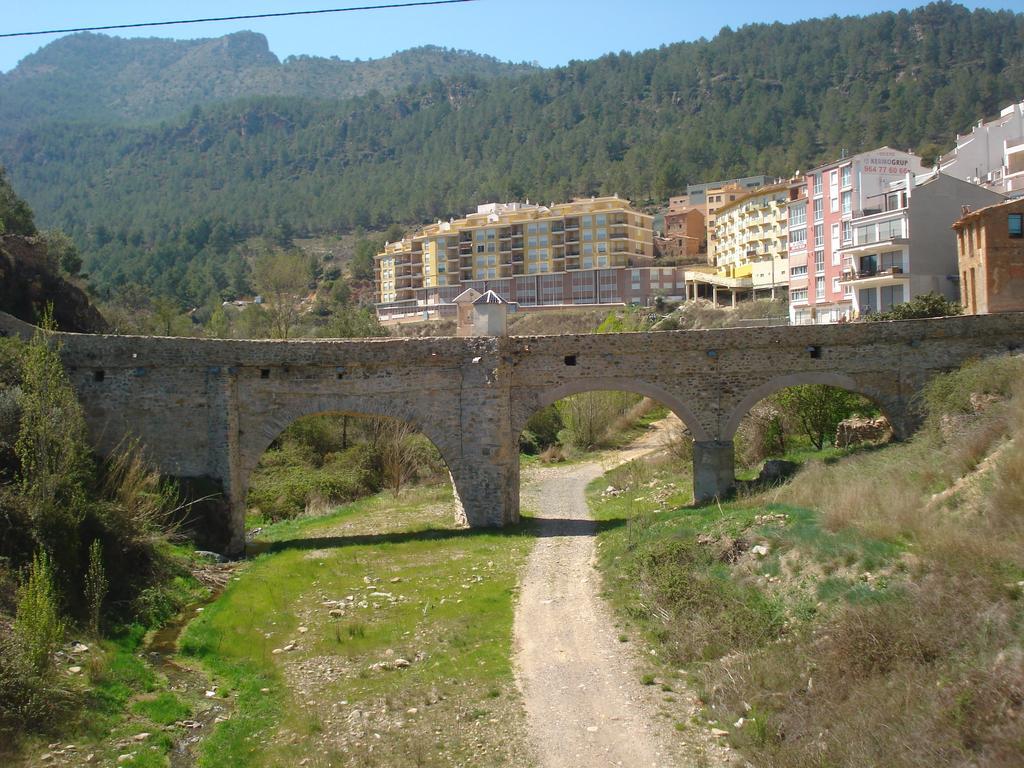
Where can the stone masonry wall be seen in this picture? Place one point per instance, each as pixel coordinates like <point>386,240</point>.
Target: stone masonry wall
<point>209,408</point>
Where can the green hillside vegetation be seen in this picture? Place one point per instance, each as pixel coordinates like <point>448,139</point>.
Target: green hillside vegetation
<point>868,612</point>
<point>144,202</point>
<point>102,79</point>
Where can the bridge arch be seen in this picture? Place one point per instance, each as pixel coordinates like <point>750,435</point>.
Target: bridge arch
<point>526,407</point>
<point>778,383</point>
<point>256,434</point>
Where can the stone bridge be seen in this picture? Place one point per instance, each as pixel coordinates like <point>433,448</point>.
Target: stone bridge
<point>206,408</point>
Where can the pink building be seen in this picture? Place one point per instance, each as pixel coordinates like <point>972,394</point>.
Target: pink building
<point>821,219</point>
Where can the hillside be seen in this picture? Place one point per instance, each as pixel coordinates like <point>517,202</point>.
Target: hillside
<point>163,205</point>
<point>104,79</point>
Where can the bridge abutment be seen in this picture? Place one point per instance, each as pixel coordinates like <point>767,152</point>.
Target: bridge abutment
<point>714,470</point>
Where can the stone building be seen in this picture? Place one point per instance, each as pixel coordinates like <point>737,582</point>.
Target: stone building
<point>990,250</point>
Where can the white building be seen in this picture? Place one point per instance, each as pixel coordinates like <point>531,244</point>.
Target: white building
<point>992,154</point>
<point>903,244</point>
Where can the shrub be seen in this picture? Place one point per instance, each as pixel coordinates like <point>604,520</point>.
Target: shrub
<point>589,416</point>
<point>38,628</point>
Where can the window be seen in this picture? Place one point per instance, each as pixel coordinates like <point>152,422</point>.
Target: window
<point>601,219</point>
<point>819,210</point>
<point>588,234</point>
<point>847,231</point>
<point>835,236</point>
<point>799,271</point>
<point>797,215</point>
<point>835,285</point>
<point>587,221</point>
<point>1015,224</point>
<point>890,295</point>
<point>846,172</point>
<point>798,239</point>
<point>817,184</point>
<point>819,261</point>
<point>798,295</point>
<point>819,235</point>
<point>819,287</point>
<point>847,201</point>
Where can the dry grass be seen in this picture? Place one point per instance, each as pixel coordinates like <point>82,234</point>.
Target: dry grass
<point>930,671</point>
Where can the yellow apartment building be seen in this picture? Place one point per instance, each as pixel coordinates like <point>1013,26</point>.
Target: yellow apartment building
<point>751,247</point>
<point>566,253</point>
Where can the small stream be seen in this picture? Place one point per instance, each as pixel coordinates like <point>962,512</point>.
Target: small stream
<point>161,652</point>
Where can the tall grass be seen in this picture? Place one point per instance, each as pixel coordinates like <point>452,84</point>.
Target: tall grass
<point>931,671</point>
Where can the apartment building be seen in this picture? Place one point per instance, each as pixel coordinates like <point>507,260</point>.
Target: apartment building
<point>752,234</point>
<point>990,251</point>
<point>821,223</point>
<point>992,154</point>
<point>588,251</point>
<point>903,246</point>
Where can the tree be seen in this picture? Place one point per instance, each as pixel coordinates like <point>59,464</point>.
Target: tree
<point>818,409</point>
<point>282,277</point>
<point>63,251</point>
<point>15,215</point>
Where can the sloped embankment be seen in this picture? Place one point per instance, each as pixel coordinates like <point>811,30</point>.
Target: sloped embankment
<point>867,613</point>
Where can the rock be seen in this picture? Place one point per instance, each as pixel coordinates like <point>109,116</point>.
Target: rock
<point>303,630</point>
<point>591,729</point>
<point>395,579</point>
<point>411,711</point>
<point>401,663</point>
<point>217,558</point>
<point>210,694</point>
<point>774,471</point>
<point>719,732</point>
<point>141,736</point>
<point>125,758</point>
<point>264,690</point>
<point>90,757</point>
<point>277,651</point>
<point>79,648</point>
<point>74,670</point>
<point>291,646</point>
<point>759,550</point>
<point>739,723</point>
<point>859,430</point>
<point>336,612</point>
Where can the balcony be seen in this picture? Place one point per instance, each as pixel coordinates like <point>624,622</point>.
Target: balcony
<point>867,277</point>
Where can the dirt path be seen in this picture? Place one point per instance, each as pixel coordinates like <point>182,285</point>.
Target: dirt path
<point>585,703</point>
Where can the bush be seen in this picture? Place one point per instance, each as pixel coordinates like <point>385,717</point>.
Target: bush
<point>541,430</point>
<point>920,307</point>
<point>589,416</point>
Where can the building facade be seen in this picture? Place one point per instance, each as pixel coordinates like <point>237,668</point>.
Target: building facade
<point>821,221</point>
<point>751,235</point>
<point>990,251</point>
<point>906,249</point>
<point>992,154</point>
<point>589,251</point>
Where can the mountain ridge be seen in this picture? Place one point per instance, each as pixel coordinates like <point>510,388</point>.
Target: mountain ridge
<point>143,201</point>
<point>108,79</point>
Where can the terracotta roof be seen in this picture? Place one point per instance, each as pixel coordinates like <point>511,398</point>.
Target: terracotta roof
<point>975,214</point>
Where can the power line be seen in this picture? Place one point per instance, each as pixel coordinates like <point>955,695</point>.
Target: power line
<point>236,18</point>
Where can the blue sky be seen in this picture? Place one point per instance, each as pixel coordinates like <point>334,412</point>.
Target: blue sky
<point>551,32</point>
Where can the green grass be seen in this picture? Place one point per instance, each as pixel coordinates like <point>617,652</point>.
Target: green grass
<point>451,619</point>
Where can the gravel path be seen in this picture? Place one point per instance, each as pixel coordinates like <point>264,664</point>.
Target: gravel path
<point>584,700</point>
